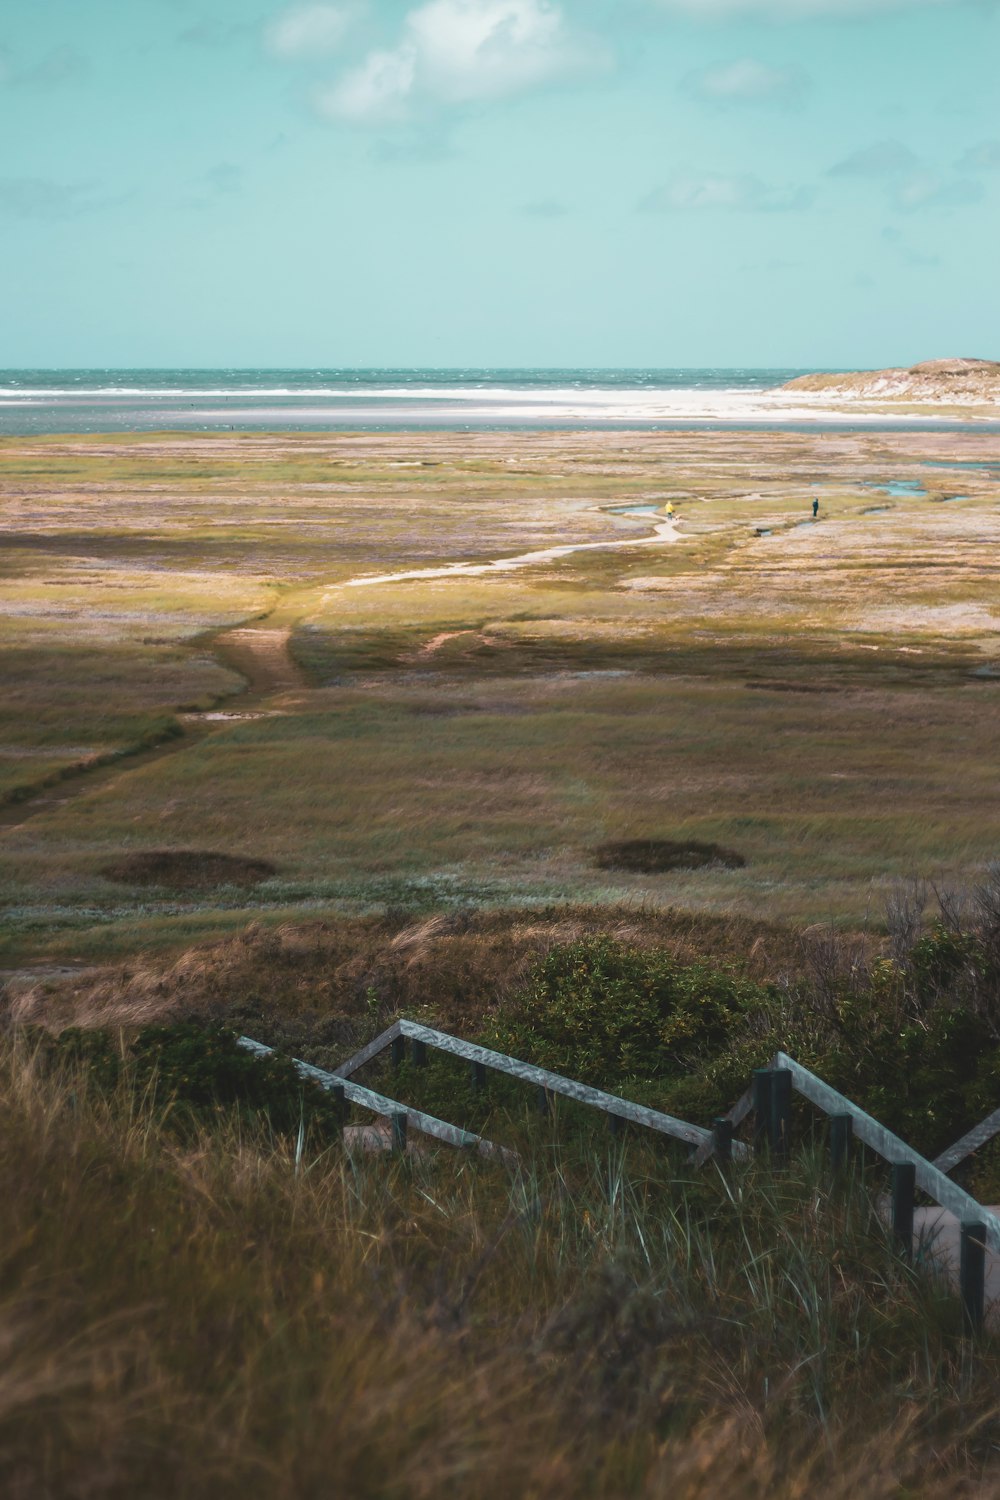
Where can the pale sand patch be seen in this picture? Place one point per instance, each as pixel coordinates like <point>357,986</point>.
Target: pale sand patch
<point>437,641</point>
<point>260,654</point>
<point>934,619</point>
<point>664,531</point>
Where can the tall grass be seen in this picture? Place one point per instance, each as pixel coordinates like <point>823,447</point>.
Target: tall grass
<point>211,1311</point>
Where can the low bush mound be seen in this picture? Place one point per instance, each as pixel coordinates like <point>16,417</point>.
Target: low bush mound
<point>187,869</point>
<point>199,1070</point>
<point>914,1040</point>
<point>605,1012</point>
<point>657,856</point>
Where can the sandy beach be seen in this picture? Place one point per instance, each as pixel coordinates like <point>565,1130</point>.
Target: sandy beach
<point>609,400</point>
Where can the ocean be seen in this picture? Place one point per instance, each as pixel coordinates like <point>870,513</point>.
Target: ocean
<point>120,400</point>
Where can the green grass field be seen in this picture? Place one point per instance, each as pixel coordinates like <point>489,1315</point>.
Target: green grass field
<point>817,697</point>
<point>238,789</point>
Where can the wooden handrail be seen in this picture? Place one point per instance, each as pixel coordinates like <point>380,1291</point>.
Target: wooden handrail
<point>929,1178</point>
<point>379,1104</point>
<point>978,1136</point>
<point>554,1083</point>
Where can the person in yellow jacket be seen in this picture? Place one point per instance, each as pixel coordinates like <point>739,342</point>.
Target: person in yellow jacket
<point>669,510</point>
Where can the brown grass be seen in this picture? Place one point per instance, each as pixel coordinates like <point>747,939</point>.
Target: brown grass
<point>212,1315</point>
<point>485,734</point>
<point>323,984</point>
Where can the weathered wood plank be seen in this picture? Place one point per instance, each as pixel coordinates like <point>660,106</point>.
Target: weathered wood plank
<point>353,1064</point>
<point>929,1178</point>
<point>739,1112</point>
<point>555,1083</point>
<point>379,1104</point>
<point>978,1136</point>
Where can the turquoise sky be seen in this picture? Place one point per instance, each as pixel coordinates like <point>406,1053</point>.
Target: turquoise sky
<point>499,182</point>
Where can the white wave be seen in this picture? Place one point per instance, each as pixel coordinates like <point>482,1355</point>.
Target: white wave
<point>535,395</point>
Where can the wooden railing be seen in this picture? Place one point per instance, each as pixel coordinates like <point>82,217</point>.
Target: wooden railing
<point>768,1101</point>
<point>980,1135</point>
<point>401,1117</point>
<point>483,1059</point>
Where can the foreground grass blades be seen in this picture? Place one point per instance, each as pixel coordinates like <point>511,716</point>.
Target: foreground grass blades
<point>221,1313</point>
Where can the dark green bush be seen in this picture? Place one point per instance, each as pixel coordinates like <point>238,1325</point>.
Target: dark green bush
<point>911,1043</point>
<point>201,1069</point>
<point>603,1012</point>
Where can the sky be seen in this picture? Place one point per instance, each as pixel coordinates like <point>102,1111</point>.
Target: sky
<point>554,183</point>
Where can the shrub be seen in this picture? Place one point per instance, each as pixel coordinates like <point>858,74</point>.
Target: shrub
<point>658,856</point>
<point>602,1011</point>
<point>203,1069</point>
<point>187,869</point>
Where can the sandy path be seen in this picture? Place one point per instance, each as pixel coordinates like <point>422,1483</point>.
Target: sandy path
<point>663,531</point>
<point>260,654</point>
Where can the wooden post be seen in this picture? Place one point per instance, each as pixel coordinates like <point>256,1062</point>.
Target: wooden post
<point>781,1112</point>
<point>616,1125</point>
<point>339,1104</point>
<point>841,1136</point>
<point>542,1100</point>
<point>399,1122</point>
<point>722,1139</point>
<point>904,1183</point>
<point>398,1050</point>
<point>418,1053</point>
<point>477,1072</point>
<point>972,1275</point>
<point>762,1107</point>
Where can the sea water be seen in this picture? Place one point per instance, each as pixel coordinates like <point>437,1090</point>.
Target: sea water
<point>131,400</point>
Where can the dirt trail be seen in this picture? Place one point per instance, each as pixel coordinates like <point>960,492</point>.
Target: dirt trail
<point>87,778</point>
<point>664,531</point>
<point>260,654</point>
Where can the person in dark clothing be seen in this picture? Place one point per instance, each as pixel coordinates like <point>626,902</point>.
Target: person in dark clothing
<point>815,509</point>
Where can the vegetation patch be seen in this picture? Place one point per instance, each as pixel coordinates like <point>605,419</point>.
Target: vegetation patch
<point>195,1070</point>
<point>658,856</point>
<point>231,1313</point>
<point>187,869</point>
<point>780,686</point>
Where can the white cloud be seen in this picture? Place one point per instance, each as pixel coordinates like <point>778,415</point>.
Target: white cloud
<point>791,10</point>
<point>906,252</point>
<point>215,34</point>
<point>377,92</point>
<point>454,52</point>
<point>747,81</point>
<point>545,208</point>
<point>60,65</point>
<point>472,49</point>
<point>224,178</point>
<point>308,31</point>
<point>735,193</point>
<point>908,182</point>
<point>928,190</point>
